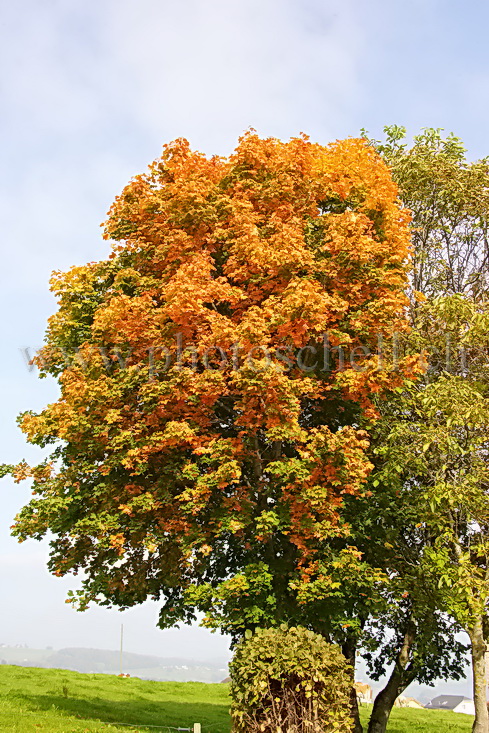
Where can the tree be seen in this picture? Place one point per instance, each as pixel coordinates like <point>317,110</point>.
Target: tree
<point>408,627</point>
<point>441,440</point>
<point>209,422</point>
<point>448,198</point>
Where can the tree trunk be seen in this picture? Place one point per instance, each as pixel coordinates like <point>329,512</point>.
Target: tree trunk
<point>397,683</point>
<point>478,651</point>
<point>349,650</point>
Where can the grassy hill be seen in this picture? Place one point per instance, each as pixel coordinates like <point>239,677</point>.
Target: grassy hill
<point>58,701</point>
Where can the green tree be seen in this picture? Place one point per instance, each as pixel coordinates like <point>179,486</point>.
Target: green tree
<point>406,635</point>
<point>443,430</point>
<point>448,198</point>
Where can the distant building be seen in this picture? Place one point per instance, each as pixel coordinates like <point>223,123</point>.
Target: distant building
<point>407,702</point>
<point>456,703</point>
<point>364,692</point>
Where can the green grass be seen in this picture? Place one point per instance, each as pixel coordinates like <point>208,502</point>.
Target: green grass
<point>58,701</point>
<point>411,720</point>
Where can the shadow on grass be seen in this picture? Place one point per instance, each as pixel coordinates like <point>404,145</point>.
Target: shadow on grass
<point>214,717</point>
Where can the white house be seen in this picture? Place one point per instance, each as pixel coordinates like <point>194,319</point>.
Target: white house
<point>456,703</point>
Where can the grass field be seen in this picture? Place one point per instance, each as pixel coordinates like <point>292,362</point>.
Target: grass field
<point>58,701</point>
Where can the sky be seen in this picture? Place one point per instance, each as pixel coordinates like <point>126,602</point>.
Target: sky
<point>89,93</point>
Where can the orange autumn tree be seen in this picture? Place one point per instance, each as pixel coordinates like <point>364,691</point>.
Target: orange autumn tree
<point>215,373</point>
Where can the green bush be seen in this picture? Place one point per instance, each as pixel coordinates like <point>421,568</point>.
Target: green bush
<point>289,680</point>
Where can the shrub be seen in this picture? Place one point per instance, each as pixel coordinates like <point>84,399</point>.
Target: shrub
<point>289,680</point>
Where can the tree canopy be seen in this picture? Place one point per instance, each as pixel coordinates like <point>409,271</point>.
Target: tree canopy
<point>209,425</point>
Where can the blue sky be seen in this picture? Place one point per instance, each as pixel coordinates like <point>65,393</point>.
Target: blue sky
<point>89,92</point>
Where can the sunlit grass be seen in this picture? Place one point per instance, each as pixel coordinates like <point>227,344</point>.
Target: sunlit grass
<point>412,720</point>
<point>58,701</point>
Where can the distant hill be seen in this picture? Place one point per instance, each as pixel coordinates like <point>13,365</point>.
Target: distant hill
<point>106,661</point>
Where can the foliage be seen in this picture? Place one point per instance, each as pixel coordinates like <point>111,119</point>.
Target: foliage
<point>206,435</point>
<point>425,450</point>
<point>435,452</point>
<point>289,679</point>
<point>448,197</point>
<point>444,431</point>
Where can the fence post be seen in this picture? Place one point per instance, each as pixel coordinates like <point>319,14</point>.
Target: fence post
<point>197,728</point>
